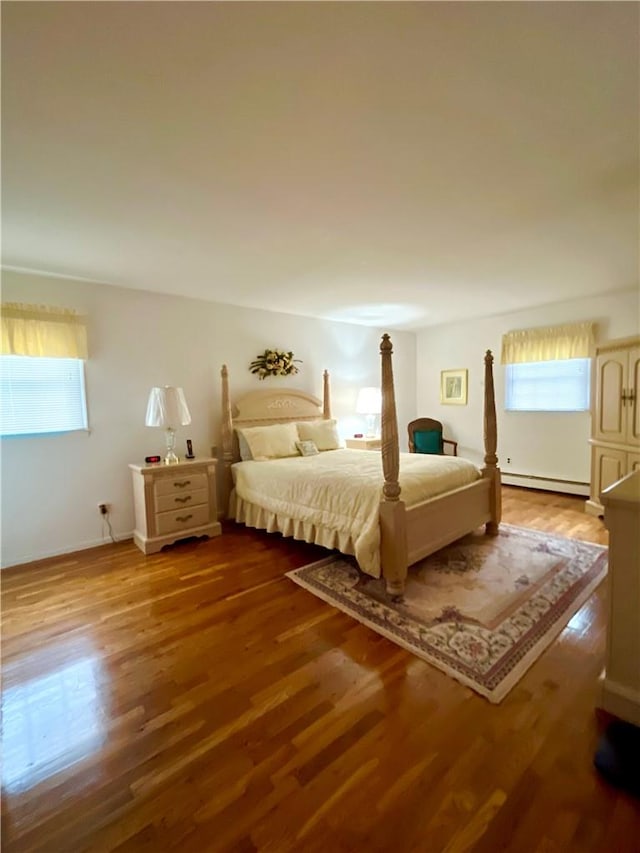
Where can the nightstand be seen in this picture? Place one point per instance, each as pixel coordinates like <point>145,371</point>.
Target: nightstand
<point>173,502</point>
<point>363,443</point>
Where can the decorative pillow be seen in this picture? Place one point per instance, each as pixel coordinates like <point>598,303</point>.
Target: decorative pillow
<point>243,446</point>
<point>271,442</point>
<point>427,441</point>
<point>324,433</point>
<point>307,447</point>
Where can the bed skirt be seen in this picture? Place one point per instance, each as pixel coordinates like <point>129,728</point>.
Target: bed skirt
<point>252,515</point>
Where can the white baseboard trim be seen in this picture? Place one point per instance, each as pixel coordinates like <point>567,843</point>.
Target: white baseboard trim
<point>620,700</point>
<point>83,546</point>
<point>531,481</point>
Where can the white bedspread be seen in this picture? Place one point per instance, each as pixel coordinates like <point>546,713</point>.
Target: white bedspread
<point>333,498</point>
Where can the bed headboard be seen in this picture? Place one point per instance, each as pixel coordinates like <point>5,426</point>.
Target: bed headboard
<point>270,406</point>
<point>275,406</point>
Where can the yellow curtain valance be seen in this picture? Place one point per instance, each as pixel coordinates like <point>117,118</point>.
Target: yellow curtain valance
<point>548,343</point>
<point>38,330</point>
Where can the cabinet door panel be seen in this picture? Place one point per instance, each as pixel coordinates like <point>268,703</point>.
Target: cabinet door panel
<point>633,462</point>
<point>633,407</point>
<point>610,420</point>
<point>609,466</point>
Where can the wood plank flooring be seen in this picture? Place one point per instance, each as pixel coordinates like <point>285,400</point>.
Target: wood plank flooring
<point>197,700</point>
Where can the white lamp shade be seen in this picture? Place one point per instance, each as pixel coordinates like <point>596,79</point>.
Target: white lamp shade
<point>167,408</point>
<point>369,401</point>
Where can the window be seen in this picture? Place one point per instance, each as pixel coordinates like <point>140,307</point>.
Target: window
<point>548,386</point>
<point>41,395</point>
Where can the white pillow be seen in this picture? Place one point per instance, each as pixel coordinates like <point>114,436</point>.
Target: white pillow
<point>271,442</point>
<point>324,433</point>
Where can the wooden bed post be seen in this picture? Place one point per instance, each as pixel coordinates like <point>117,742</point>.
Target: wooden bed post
<point>326,396</point>
<point>227,440</point>
<point>491,470</point>
<point>393,551</point>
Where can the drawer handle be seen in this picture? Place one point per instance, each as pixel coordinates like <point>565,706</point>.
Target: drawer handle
<point>184,517</point>
<point>183,500</point>
<point>181,485</point>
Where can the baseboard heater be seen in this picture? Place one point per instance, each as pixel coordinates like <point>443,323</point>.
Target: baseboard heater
<point>531,481</point>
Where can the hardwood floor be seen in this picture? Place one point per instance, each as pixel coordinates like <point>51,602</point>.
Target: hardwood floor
<point>197,700</point>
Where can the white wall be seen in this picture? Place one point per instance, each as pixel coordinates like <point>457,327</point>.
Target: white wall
<point>553,445</point>
<point>51,485</point>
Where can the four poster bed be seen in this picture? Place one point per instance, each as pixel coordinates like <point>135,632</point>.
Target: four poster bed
<point>388,509</point>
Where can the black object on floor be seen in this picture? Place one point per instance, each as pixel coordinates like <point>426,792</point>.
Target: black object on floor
<point>618,756</point>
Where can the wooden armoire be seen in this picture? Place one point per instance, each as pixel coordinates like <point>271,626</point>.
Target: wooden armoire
<point>615,424</point>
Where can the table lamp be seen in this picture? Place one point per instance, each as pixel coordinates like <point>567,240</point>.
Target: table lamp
<point>167,408</point>
<point>369,404</point>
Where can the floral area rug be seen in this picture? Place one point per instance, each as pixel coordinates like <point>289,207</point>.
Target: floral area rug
<point>482,609</point>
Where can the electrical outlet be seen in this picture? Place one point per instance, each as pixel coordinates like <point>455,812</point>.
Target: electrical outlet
<point>508,460</point>
<point>104,509</point>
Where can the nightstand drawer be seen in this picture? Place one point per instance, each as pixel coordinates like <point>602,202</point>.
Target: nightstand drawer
<point>178,485</point>
<point>182,519</point>
<point>164,503</point>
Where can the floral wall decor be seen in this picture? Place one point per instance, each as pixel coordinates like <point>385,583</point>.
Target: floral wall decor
<point>274,362</point>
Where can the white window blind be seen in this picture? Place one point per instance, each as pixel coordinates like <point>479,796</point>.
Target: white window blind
<point>41,395</point>
<point>548,386</point>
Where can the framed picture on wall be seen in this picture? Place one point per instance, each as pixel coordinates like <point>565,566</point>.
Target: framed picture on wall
<point>453,387</point>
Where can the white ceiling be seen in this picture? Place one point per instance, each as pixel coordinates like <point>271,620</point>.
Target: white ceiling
<point>396,164</point>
